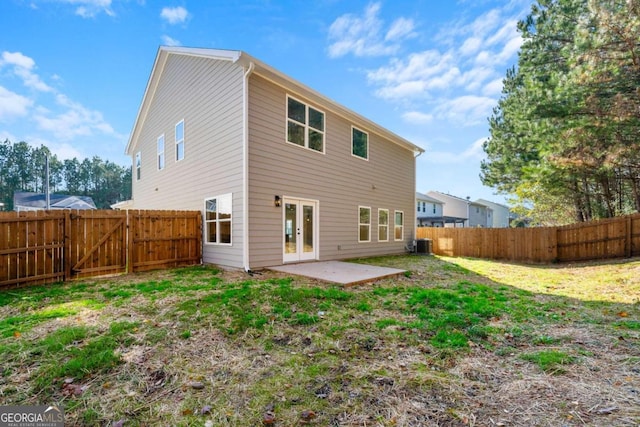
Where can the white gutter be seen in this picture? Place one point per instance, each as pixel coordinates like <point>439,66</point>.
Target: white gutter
<point>245,167</point>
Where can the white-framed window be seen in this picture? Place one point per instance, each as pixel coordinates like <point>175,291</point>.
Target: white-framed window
<point>359,143</point>
<point>418,206</point>
<point>398,231</point>
<point>180,140</point>
<point>218,219</point>
<point>305,125</point>
<point>161,152</point>
<point>364,229</point>
<point>434,208</point>
<point>383,225</point>
<point>138,165</point>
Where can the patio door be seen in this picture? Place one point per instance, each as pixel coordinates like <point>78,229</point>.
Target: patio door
<point>300,230</point>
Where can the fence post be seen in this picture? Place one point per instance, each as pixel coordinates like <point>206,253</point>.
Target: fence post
<point>67,245</point>
<point>628,237</point>
<point>554,245</point>
<point>130,233</point>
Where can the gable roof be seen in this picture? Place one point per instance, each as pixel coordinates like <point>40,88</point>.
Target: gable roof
<point>56,201</point>
<point>437,194</point>
<point>429,199</point>
<point>266,71</point>
<point>493,204</point>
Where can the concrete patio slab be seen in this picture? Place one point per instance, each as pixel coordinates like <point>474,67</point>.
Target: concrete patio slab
<point>344,273</point>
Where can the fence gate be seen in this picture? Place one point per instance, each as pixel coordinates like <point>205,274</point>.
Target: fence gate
<point>96,243</point>
<point>52,246</point>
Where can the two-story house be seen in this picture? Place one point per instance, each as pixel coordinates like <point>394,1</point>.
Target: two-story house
<point>281,172</point>
<point>501,214</point>
<point>429,211</point>
<point>463,212</point>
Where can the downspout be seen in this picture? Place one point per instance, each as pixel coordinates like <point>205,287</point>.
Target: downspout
<point>245,167</point>
<point>413,209</point>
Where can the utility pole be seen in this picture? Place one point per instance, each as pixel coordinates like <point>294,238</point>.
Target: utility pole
<point>46,185</point>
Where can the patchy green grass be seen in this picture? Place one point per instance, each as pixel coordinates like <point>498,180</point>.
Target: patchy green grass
<point>551,361</point>
<point>451,343</point>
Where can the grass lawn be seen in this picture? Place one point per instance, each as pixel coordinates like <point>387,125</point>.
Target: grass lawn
<point>454,342</point>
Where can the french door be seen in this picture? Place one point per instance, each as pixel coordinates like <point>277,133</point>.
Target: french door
<point>300,230</point>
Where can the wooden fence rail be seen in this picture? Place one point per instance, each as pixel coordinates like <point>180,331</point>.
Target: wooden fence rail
<point>609,238</point>
<point>50,246</point>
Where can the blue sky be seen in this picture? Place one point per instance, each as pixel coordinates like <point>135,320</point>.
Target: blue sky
<point>73,72</point>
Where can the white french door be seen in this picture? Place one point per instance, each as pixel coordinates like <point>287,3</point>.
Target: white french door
<point>300,230</point>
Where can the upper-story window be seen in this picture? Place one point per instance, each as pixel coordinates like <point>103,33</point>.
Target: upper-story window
<point>180,140</point>
<point>359,143</point>
<point>434,208</point>
<point>305,125</point>
<point>161,152</point>
<point>138,165</point>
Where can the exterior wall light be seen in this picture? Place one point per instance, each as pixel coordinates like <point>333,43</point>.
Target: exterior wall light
<point>277,201</point>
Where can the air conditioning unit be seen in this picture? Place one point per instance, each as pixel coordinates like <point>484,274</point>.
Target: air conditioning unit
<point>424,246</point>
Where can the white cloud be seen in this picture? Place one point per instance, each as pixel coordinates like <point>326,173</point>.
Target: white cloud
<point>169,41</point>
<point>89,8</point>
<point>416,117</point>
<point>466,110</point>
<point>17,59</point>
<point>474,151</point>
<point>470,45</point>
<point>56,114</point>
<point>22,67</point>
<point>493,88</point>
<point>62,151</point>
<point>363,35</point>
<point>462,70</point>
<point>400,29</point>
<point>75,120</point>
<point>13,105</point>
<point>174,15</point>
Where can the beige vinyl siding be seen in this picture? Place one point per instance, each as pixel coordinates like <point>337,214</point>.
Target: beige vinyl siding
<point>337,179</point>
<point>208,95</point>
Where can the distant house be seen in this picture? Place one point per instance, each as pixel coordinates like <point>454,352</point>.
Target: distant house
<point>480,215</point>
<point>502,215</point>
<point>25,201</point>
<point>281,173</point>
<point>429,211</point>
<point>463,212</point>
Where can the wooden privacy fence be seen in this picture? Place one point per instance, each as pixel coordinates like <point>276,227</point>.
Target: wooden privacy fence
<point>610,238</point>
<point>50,246</point>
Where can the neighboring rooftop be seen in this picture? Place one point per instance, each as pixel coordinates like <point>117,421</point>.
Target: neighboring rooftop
<point>26,201</point>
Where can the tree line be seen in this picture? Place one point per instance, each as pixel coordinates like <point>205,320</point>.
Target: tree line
<point>565,134</point>
<point>22,168</point>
